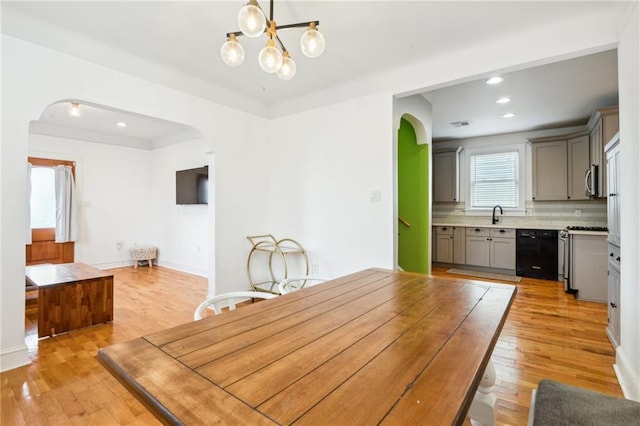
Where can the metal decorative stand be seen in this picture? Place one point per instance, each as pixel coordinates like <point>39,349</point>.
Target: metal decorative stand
<point>274,249</point>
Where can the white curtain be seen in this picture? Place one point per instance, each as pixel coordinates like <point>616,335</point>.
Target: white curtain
<point>66,216</point>
<point>28,222</point>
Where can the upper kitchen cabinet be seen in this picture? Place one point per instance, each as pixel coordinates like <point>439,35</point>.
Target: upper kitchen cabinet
<point>446,175</point>
<point>549,169</point>
<point>602,126</point>
<point>577,167</point>
<point>573,167</point>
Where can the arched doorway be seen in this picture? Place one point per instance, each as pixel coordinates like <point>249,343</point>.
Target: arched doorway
<point>413,200</point>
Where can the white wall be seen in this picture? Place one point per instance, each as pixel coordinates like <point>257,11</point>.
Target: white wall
<point>34,77</point>
<point>113,198</point>
<point>628,353</point>
<point>324,165</point>
<point>180,231</point>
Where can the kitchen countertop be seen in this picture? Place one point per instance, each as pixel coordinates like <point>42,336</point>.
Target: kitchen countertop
<point>576,232</point>
<point>503,226</point>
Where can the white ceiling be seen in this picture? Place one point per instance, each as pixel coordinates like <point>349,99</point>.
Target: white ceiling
<point>177,44</point>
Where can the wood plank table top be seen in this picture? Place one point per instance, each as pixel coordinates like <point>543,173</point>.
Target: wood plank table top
<point>62,273</point>
<point>374,347</point>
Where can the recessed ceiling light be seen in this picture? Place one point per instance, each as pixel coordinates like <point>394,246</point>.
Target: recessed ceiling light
<point>75,109</point>
<point>495,80</point>
<point>508,115</point>
<point>504,100</point>
<point>122,124</point>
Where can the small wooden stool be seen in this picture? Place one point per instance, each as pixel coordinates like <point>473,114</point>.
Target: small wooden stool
<point>144,253</point>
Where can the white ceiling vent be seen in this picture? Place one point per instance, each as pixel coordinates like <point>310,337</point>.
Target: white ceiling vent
<point>460,123</point>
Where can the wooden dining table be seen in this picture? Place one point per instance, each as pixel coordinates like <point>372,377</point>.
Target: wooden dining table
<point>373,347</point>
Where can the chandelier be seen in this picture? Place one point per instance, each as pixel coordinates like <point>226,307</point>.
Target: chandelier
<point>274,58</point>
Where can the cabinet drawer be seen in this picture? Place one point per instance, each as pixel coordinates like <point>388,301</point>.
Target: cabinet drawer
<point>503,232</point>
<point>444,230</point>
<point>477,232</point>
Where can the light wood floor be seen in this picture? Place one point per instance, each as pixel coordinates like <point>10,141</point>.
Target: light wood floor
<point>548,335</point>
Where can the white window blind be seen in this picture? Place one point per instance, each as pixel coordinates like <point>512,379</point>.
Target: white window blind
<point>494,180</point>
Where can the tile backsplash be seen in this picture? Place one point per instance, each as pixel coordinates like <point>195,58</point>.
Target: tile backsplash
<point>554,214</point>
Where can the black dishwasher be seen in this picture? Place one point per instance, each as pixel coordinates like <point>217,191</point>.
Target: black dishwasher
<point>537,253</point>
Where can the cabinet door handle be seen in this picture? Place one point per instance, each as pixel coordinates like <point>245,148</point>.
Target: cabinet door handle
<point>611,254</point>
<point>613,305</point>
<point>477,230</point>
<point>502,231</point>
<point>618,258</point>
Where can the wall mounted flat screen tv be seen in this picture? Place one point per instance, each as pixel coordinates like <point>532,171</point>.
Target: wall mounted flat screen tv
<point>192,186</point>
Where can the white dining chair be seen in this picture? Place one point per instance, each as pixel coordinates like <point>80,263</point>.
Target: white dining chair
<point>229,300</point>
<point>298,283</point>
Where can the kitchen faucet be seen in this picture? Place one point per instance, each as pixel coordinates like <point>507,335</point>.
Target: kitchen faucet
<point>494,219</point>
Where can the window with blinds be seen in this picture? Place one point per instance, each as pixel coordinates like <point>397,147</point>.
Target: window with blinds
<point>494,180</point>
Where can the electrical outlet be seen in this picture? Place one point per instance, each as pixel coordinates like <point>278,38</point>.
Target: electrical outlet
<point>119,245</point>
<point>577,213</point>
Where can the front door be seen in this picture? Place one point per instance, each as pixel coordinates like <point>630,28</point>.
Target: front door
<point>43,248</point>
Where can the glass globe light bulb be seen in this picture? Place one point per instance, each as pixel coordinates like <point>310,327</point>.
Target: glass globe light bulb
<point>288,69</point>
<point>232,52</point>
<point>270,58</point>
<point>312,42</point>
<point>251,20</point>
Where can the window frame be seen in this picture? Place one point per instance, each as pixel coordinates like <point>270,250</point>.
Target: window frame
<point>44,234</point>
<point>509,211</point>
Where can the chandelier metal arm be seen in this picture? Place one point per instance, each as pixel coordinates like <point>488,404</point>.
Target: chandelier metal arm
<point>281,27</point>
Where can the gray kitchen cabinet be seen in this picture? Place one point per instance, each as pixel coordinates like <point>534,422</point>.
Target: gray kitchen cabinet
<point>613,190</point>
<point>494,248</point>
<point>549,170</point>
<point>444,244</point>
<point>446,176</point>
<point>578,165</point>
<point>450,244</point>
<point>459,245</point>
<point>613,308</point>
<point>612,154</point>
<point>602,125</point>
<point>503,248</point>
<point>477,246</point>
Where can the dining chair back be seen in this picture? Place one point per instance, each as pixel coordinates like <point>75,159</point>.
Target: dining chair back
<point>298,283</point>
<point>229,300</point>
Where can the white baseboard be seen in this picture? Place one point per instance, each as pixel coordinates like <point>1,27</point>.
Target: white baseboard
<point>629,383</point>
<point>165,264</point>
<point>15,357</point>
<point>185,268</point>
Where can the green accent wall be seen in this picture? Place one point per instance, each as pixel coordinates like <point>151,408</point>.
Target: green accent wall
<point>413,200</point>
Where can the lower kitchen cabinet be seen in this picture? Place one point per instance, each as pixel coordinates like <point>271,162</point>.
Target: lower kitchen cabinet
<point>444,244</point>
<point>450,244</point>
<point>613,327</point>
<point>494,248</point>
<point>459,255</point>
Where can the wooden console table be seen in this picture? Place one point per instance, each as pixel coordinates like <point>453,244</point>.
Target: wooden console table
<point>71,296</point>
